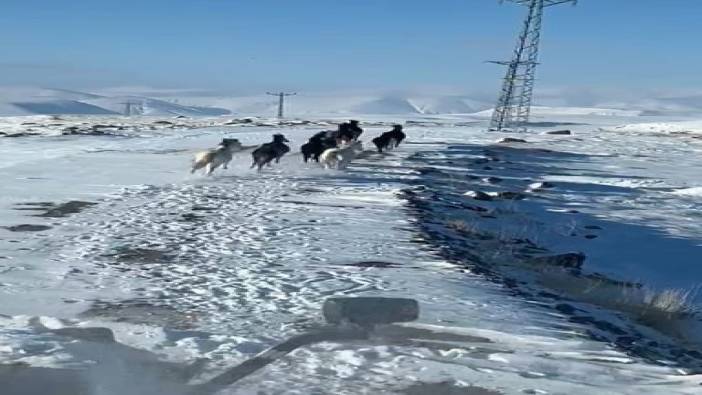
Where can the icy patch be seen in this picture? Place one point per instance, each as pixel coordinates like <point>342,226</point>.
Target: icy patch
<point>694,191</point>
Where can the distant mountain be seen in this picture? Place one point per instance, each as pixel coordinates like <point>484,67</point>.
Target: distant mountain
<point>447,105</point>
<point>336,104</point>
<point>68,94</point>
<point>61,107</point>
<point>385,105</point>
<point>42,101</point>
<point>149,106</point>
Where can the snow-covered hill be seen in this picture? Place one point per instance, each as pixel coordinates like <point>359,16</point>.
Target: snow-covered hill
<point>164,102</point>
<point>36,101</point>
<point>40,101</point>
<point>342,103</point>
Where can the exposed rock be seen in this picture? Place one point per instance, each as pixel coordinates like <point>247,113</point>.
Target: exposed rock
<point>141,312</point>
<point>560,132</point>
<point>510,195</point>
<point>36,204</point>
<point>492,180</point>
<point>429,170</point>
<point>204,208</point>
<point>478,195</point>
<point>132,255</point>
<point>549,295</point>
<point>474,208</point>
<point>190,217</point>
<point>163,123</point>
<point>607,280</point>
<point>599,324</point>
<point>27,228</point>
<point>446,388</point>
<point>590,237</point>
<point>540,186</point>
<point>64,209</point>
<point>507,140</point>
<point>569,260</point>
<point>20,134</point>
<point>100,335</point>
<point>239,121</point>
<point>94,130</point>
<point>70,130</point>
<point>593,227</point>
<point>565,308</point>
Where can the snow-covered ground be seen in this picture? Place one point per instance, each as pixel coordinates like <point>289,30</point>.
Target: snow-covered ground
<point>680,127</point>
<point>194,274</point>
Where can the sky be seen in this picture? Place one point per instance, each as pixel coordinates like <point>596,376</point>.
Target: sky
<point>309,45</point>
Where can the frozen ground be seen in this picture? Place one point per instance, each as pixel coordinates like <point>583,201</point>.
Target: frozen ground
<point>193,274</point>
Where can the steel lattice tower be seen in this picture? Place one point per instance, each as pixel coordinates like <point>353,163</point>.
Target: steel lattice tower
<point>281,101</point>
<point>514,104</point>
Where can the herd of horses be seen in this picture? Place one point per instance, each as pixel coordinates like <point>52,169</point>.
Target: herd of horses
<point>330,148</point>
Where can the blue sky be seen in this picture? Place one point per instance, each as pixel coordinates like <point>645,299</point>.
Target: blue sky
<point>251,45</point>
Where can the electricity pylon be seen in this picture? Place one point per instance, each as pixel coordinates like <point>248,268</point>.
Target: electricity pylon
<point>514,104</point>
<point>281,101</point>
<point>131,107</point>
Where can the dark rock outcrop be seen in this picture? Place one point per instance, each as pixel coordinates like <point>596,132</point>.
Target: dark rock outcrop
<point>27,228</point>
<point>507,140</point>
<point>560,132</point>
<point>478,195</point>
<point>571,260</point>
<point>511,195</point>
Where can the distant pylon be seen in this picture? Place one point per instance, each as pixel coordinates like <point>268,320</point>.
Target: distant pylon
<point>132,107</point>
<point>514,104</point>
<point>281,101</point>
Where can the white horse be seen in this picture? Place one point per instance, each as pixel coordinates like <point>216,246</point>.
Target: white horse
<point>340,157</point>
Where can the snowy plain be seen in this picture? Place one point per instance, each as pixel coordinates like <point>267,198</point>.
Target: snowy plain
<point>199,273</point>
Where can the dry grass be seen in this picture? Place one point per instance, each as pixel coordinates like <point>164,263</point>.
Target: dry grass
<point>664,310</point>
<point>670,302</point>
<point>468,229</point>
<point>457,224</point>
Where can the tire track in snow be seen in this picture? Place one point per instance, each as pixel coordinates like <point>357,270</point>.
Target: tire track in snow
<point>226,248</point>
